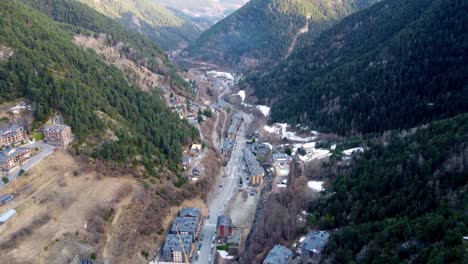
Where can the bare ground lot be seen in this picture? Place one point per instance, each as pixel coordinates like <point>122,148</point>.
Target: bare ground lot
<point>52,202</point>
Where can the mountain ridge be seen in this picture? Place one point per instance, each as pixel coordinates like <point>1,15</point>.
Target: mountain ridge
<point>245,38</point>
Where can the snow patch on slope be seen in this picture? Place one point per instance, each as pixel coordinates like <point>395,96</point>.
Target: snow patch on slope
<point>264,109</point>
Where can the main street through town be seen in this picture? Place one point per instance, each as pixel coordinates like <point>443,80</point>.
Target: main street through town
<point>219,201</point>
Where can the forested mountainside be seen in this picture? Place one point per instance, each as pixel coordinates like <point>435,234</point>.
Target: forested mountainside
<point>160,24</point>
<point>115,119</point>
<point>394,65</point>
<point>263,31</point>
<point>402,201</point>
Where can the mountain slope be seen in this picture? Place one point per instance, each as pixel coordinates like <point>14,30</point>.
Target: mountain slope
<point>149,18</point>
<point>394,65</point>
<point>262,30</point>
<point>405,201</point>
<point>111,118</point>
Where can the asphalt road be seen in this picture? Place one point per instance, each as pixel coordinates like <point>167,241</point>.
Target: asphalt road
<point>46,150</point>
<point>219,202</point>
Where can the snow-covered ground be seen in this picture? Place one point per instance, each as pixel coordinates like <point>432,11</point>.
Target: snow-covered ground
<point>348,152</point>
<point>241,93</point>
<point>226,75</point>
<point>281,129</point>
<point>264,109</point>
<point>269,145</point>
<point>224,254</point>
<point>314,153</point>
<point>315,185</point>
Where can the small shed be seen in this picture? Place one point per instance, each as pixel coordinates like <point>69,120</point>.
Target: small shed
<point>4,217</point>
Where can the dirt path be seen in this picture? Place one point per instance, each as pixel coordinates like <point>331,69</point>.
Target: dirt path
<point>214,133</point>
<point>301,31</point>
<point>105,251</point>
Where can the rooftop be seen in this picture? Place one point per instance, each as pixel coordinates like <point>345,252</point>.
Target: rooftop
<point>56,128</point>
<point>190,212</point>
<point>10,152</point>
<point>11,129</point>
<point>172,242</point>
<point>280,156</point>
<point>224,220</point>
<point>278,255</point>
<point>315,241</point>
<point>185,224</point>
<point>253,165</point>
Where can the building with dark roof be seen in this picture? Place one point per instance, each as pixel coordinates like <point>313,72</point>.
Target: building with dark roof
<point>236,121</point>
<point>255,170</point>
<point>185,226</point>
<point>313,244</point>
<point>190,212</point>
<point>278,255</point>
<point>228,144</point>
<point>177,248</point>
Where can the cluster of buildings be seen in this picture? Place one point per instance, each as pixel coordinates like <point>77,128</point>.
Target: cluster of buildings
<point>309,251</point>
<point>226,233</point>
<point>178,246</point>
<point>230,140</point>
<point>281,163</point>
<point>255,170</point>
<point>10,156</point>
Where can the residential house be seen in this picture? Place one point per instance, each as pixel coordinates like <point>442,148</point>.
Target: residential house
<point>12,135</point>
<point>278,255</point>
<point>313,244</point>
<point>58,135</point>
<point>186,161</point>
<point>177,248</point>
<point>281,163</point>
<point>10,158</point>
<point>255,170</point>
<point>224,228</point>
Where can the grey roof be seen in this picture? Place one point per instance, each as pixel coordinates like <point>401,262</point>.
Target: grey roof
<point>224,220</point>
<point>227,144</point>
<point>7,153</point>
<point>236,237</point>
<point>253,166</point>
<point>315,241</point>
<point>235,122</point>
<point>173,243</point>
<point>190,212</point>
<point>186,159</point>
<point>56,127</point>
<point>280,156</point>
<point>5,198</point>
<point>11,130</point>
<point>278,255</point>
<point>185,224</point>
